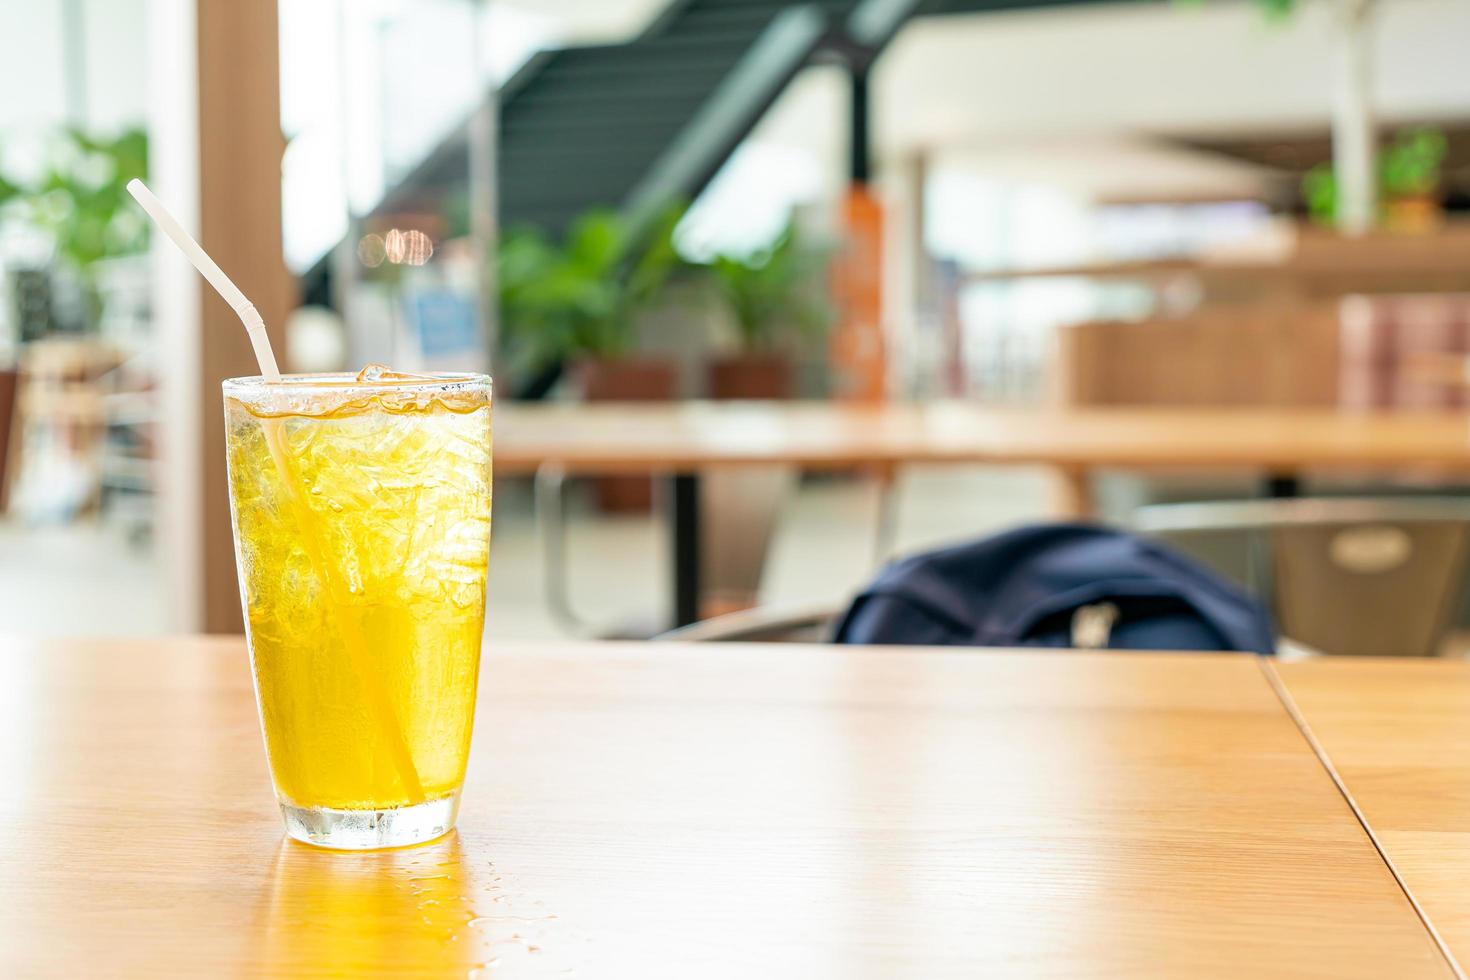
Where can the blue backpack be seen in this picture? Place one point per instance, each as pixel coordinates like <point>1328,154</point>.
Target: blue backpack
<point>1058,585</point>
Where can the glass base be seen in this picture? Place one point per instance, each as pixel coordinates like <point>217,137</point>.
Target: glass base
<point>360,830</point>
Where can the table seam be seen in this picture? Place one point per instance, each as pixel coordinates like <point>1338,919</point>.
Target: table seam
<point>1283,694</point>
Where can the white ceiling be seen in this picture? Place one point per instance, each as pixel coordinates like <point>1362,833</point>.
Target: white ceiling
<point>1071,97</point>
<point>1216,68</point>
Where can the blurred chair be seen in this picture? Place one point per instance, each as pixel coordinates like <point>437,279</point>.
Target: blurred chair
<point>1356,577</point>
<point>740,508</point>
<point>61,415</point>
<point>9,446</point>
<point>763,624</point>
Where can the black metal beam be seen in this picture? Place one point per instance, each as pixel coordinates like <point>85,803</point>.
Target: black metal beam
<point>702,146</point>
<point>684,539</point>
<point>608,98</point>
<point>860,152</point>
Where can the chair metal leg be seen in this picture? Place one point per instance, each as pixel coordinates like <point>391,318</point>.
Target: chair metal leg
<point>739,508</point>
<point>885,527</point>
<point>550,495</point>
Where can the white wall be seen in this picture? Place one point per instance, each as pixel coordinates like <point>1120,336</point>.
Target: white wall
<point>117,62</point>
<point>786,163</point>
<point>590,21</point>
<point>33,83</point>
<point>32,92</point>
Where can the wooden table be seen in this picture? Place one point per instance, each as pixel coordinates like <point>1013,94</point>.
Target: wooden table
<point>1398,733</point>
<point>658,810</point>
<point>684,436</point>
<point>678,439</point>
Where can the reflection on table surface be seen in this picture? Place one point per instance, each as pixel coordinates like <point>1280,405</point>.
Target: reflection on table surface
<point>426,911</point>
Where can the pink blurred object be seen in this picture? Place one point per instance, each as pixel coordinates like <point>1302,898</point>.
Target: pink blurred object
<point>1405,352</point>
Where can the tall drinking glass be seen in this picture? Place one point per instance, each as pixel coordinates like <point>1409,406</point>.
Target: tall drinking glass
<point>361,510</point>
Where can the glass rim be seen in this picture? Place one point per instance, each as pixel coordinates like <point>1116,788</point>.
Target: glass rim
<point>342,382</point>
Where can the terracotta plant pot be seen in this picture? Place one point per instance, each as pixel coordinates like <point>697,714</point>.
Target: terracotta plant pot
<point>1413,215</point>
<point>629,379</point>
<point>750,376</point>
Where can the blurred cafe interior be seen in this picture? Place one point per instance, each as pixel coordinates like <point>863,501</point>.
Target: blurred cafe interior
<point>830,341</point>
<point>987,218</point>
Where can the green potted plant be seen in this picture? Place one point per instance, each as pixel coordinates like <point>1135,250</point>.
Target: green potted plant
<point>9,191</point>
<point>772,296</point>
<point>576,302</point>
<point>571,308</point>
<point>1409,177</point>
<point>1408,184</point>
<point>81,201</point>
<point>1354,187</point>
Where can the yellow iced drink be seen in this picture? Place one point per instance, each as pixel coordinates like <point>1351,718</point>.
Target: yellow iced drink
<point>362,528</point>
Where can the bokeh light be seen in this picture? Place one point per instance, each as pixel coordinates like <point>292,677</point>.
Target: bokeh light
<point>371,251</point>
<point>407,247</point>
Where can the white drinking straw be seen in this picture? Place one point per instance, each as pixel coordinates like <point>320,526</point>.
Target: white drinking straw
<point>244,309</point>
